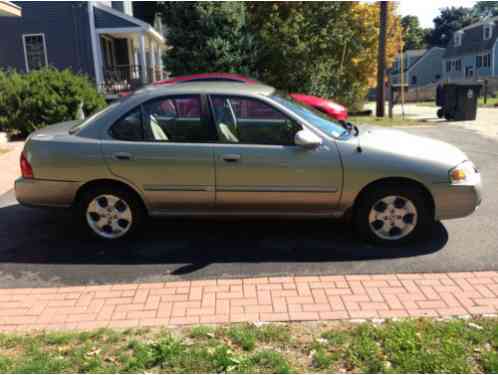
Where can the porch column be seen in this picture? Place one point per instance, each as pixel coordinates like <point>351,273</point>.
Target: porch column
<point>160,62</point>
<point>142,58</point>
<point>152,60</point>
<point>99,74</point>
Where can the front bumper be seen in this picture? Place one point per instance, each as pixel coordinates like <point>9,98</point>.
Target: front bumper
<point>45,193</point>
<point>455,201</point>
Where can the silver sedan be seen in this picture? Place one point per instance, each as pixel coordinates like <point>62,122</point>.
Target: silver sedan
<point>228,149</point>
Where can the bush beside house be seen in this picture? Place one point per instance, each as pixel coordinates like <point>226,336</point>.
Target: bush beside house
<point>43,97</point>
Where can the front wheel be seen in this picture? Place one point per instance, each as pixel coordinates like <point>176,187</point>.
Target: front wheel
<point>391,215</point>
<point>110,213</point>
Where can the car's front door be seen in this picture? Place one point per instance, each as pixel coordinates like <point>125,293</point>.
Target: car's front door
<point>258,166</point>
<point>164,148</point>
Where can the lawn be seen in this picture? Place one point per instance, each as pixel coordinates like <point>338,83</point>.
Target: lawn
<point>385,121</point>
<point>409,346</point>
<point>490,103</point>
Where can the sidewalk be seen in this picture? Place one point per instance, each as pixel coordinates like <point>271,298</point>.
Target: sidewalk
<point>9,166</point>
<point>250,300</point>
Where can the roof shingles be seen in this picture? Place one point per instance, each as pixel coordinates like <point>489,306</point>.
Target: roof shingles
<point>472,41</point>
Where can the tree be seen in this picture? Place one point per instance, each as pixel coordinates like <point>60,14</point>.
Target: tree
<point>414,36</point>
<point>208,37</point>
<point>485,8</point>
<point>322,48</point>
<point>449,21</point>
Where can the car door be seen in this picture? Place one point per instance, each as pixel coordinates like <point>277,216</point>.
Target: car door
<point>163,147</point>
<point>258,166</point>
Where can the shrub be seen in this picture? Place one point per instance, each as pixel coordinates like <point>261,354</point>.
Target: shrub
<point>42,97</point>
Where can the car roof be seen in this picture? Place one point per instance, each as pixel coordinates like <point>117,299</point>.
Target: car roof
<point>228,88</point>
<point>198,76</point>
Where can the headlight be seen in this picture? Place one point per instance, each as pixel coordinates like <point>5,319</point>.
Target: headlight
<point>464,173</point>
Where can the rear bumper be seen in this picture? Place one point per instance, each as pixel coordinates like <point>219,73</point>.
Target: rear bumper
<point>45,193</point>
<point>455,201</point>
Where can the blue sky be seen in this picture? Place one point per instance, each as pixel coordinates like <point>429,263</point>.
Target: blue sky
<point>427,10</point>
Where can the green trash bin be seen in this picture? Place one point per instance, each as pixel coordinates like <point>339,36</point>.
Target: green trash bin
<point>458,100</point>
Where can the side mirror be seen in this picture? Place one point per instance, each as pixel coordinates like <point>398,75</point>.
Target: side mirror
<point>306,138</point>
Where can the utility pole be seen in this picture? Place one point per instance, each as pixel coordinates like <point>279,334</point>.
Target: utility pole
<point>381,62</point>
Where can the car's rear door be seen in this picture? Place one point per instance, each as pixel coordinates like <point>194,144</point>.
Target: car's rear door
<point>164,147</point>
<point>258,166</point>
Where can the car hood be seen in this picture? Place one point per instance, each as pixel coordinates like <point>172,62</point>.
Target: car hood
<point>405,144</point>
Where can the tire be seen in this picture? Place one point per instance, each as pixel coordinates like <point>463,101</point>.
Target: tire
<point>110,213</point>
<point>440,113</point>
<point>390,215</point>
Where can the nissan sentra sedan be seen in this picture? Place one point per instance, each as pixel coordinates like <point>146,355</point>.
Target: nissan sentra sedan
<point>229,149</point>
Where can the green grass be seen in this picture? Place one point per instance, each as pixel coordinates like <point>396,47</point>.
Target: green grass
<point>409,346</point>
<point>385,121</point>
<point>490,103</point>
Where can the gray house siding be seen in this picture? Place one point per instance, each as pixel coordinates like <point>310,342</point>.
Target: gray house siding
<point>425,70</point>
<point>67,35</point>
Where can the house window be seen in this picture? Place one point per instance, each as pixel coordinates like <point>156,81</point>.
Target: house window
<point>469,72</point>
<point>487,32</point>
<point>414,80</point>
<point>486,60</point>
<point>458,39</point>
<point>478,61</point>
<point>35,51</point>
<point>458,65</point>
<point>448,66</point>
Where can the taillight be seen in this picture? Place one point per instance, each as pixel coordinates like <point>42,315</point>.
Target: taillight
<point>26,169</point>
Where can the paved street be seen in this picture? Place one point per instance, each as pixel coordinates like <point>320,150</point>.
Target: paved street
<point>41,248</point>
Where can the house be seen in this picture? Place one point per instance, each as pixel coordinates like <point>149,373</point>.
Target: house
<point>101,39</point>
<point>472,54</point>
<point>421,67</point>
<point>7,9</point>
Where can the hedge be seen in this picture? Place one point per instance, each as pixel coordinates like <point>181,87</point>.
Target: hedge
<point>42,97</point>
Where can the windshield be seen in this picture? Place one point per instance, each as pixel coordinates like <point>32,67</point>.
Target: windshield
<point>313,116</point>
<point>96,115</point>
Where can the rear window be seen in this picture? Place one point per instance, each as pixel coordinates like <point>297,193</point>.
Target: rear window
<point>80,126</point>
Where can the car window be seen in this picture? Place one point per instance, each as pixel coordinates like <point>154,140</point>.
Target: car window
<point>251,121</point>
<point>129,127</point>
<point>312,115</point>
<point>175,119</point>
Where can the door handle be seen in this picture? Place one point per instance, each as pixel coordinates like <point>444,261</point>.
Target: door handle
<point>231,158</point>
<point>122,156</point>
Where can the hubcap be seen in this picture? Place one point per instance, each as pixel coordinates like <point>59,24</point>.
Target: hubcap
<point>109,216</point>
<point>393,217</point>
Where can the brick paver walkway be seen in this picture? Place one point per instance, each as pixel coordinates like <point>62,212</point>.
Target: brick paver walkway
<point>9,166</point>
<point>258,299</point>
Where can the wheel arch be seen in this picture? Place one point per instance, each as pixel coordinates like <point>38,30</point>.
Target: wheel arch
<point>397,181</point>
<point>111,183</point>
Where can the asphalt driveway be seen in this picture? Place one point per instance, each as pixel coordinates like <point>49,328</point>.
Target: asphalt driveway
<point>43,248</point>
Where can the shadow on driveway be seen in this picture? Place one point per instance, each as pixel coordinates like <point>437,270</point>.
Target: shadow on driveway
<point>32,236</point>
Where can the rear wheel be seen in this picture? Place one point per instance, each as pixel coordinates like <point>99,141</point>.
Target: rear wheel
<point>393,214</point>
<point>110,213</point>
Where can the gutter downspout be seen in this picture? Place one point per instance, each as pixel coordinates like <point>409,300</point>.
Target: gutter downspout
<point>93,38</point>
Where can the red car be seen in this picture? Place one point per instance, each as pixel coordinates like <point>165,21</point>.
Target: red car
<point>334,110</point>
